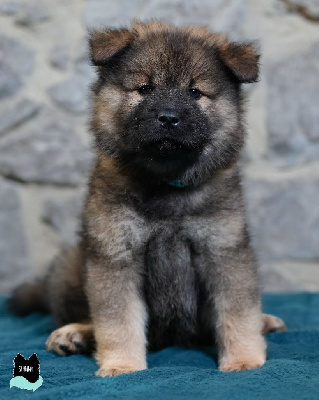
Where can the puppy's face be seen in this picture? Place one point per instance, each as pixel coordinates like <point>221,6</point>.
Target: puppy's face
<point>167,100</point>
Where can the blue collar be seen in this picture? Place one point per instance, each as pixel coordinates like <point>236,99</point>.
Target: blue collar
<point>178,184</point>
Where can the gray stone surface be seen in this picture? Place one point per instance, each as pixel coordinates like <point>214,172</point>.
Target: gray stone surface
<point>64,217</point>
<point>19,112</point>
<point>272,280</point>
<point>283,218</point>
<point>15,265</point>
<point>73,94</point>
<point>276,7</point>
<point>289,276</point>
<point>32,12</point>
<point>51,153</point>
<point>292,102</point>
<point>10,7</point>
<point>310,7</point>
<point>60,57</point>
<point>83,55</point>
<point>102,13</point>
<point>16,64</point>
<point>219,14</point>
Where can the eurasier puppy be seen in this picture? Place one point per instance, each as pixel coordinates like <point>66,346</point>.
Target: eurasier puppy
<point>165,256</point>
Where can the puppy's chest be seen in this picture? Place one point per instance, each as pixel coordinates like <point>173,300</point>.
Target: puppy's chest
<point>172,204</point>
<point>172,287</point>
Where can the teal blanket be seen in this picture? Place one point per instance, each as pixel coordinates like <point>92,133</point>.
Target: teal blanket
<point>291,370</point>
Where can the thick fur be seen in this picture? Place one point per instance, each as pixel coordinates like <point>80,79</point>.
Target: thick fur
<point>165,256</point>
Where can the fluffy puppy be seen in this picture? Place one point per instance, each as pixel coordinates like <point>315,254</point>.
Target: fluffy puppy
<point>165,256</point>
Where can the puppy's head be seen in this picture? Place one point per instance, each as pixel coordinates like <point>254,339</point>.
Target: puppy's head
<point>167,100</point>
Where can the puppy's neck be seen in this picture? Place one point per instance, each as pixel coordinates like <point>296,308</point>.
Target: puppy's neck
<point>178,184</point>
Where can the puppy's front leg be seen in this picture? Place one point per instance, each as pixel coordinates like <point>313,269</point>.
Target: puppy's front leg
<point>237,311</point>
<point>230,273</point>
<point>114,289</point>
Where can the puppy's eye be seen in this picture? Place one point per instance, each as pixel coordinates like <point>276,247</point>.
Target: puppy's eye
<point>195,94</point>
<point>145,89</point>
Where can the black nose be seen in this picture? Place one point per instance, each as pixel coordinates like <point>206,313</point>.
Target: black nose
<point>168,119</point>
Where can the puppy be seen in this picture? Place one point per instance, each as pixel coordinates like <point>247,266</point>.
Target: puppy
<point>165,256</point>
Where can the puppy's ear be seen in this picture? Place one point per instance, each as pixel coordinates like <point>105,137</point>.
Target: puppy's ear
<point>105,45</point>
<point>242,60</point>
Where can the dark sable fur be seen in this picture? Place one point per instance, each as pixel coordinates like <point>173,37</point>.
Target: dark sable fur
<point>179,256</point>
<point>179,51</point>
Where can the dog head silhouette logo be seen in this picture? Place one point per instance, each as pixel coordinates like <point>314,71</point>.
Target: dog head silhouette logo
<point>26,372</point>
<point>29,369</point>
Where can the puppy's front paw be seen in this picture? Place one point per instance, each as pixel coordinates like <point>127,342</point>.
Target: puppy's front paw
<point>241,365</point>
<point>114,371</point>
<point>111,369</point>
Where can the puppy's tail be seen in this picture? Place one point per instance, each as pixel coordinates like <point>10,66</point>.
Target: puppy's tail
<point>59,292</point>
<point>28,298</point>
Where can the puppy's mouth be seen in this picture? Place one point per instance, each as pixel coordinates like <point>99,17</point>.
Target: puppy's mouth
<point>165,157</point>
<point>169,146</point>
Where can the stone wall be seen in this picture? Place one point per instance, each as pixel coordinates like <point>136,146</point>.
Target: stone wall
<point>44,144</point>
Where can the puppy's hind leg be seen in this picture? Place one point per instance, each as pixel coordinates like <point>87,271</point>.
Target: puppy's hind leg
<point>273,324</point>
<point>76,338</point>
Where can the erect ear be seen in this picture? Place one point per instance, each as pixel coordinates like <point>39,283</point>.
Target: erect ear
<point>241,59</point>
<point>19,358</point>
<point>105,45</point>
<point>33,358</point>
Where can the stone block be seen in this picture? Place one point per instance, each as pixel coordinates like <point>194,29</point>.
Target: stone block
<point>73,94</point>
<point>51,153</point>
<point>10,7</point>
<point>60,57</point>
<point>99,14</point>
<point>17,113</point>
<point>310,8</point>
<point>218,15</point>
<point>284,218</point>
<point>64,217</point>
<point>31,12</point>
<point>16,64</point>
<point>289,276</point>
<point>15,266</point>
<point>292,108</point>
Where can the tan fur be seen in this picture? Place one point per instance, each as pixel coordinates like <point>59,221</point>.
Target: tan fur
<point>82,333</point>
<point>165,253</point>
<point>121,338</point>
<point>119,329</point>
<point>224,232</point>
<point>121,343</point>
<point>273,324</point>
<point>67,339</point>
<point>242,345</point>
<point>143,29</point>
<point>243,60</point>
<point>203,33</point>
<point>115,39</point>
<point>105,110</point>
